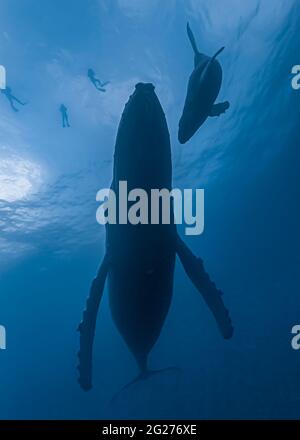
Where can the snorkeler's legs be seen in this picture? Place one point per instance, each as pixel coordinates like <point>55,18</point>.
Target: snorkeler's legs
<point>98,85</point>
<point>66,120</point>
<point>97,82</point>
<point>18,101</point>
<point>12,105</point>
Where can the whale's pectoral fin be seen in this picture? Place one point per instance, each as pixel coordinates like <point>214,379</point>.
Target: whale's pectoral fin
<point>88,325</point>
<point>218,109</point>
<point>194,268</point>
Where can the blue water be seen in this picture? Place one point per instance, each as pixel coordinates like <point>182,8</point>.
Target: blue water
<point>50,244</point>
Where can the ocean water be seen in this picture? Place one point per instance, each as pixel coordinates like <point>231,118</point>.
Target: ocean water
<point>247,161</point>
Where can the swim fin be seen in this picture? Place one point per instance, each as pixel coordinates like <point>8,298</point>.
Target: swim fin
<point>194,268</point>
<point>88,325</point>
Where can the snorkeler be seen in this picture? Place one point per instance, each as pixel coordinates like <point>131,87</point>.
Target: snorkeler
<point>64,115</point>
<point>8,93</point>
<point>97,83</point>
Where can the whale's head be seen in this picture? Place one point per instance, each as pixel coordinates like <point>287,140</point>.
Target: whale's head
<point>143,113</point>
<point>143,97</point>
<point>188,124</point>
<point>144,87</point>
<point>142,151</point>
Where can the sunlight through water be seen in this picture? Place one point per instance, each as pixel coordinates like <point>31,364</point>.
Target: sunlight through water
<point>19,178</point>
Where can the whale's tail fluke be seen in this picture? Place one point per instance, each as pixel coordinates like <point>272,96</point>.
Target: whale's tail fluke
<point>210,63</point>
<point>144,375</point>
<point>217,53</point>
<point>192,39</point>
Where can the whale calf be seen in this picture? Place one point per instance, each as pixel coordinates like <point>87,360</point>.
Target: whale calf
<point>139,259</point>
<point>203,88</point>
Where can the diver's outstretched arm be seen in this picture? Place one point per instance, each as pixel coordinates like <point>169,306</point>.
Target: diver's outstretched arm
<point>88,325</point>
<point>194,268</point>
<point>218,109</point>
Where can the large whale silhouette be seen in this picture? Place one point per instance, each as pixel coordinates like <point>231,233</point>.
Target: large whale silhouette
<point>203,88</point>
<point>140,259</point>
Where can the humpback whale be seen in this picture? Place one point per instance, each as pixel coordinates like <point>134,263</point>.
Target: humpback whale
<point>139,259</point>
<point>203,88</point>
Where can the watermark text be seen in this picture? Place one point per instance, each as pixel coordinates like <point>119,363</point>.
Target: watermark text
<point>153,207</point>
<point>2,338</point>
<point>2,78</point>
<point>296,77</point>
<point>296,338</point>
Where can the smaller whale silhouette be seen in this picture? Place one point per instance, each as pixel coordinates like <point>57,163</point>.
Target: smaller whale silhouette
<point>203,88</point>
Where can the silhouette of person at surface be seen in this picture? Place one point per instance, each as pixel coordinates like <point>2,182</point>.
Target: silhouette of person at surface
<point>11,98</point>
<point>64,115</point>
<point>96,82</point>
